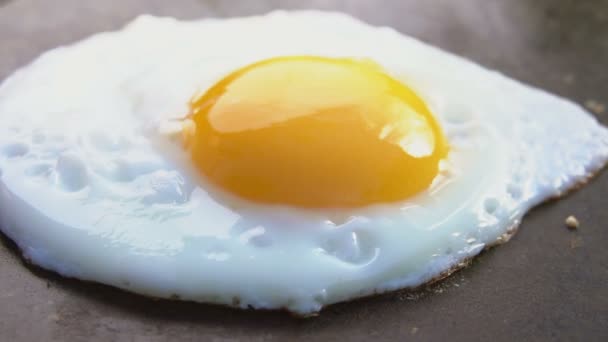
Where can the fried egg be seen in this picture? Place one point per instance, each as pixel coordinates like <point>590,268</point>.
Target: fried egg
<point>291,160</point>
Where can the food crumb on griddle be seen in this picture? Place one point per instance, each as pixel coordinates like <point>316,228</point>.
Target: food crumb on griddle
<point>54,317</point>
<point>568,78</point>
<point>595,106</point>
<point>572,222</point>
<point>576,242</point>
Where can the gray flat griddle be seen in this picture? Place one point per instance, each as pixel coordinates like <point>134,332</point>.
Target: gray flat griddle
<point>548,283</point>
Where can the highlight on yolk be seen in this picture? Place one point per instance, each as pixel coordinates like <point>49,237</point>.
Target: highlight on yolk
<point>315,132</point>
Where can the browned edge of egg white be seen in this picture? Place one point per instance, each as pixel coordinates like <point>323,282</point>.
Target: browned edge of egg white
<point>511,231</point>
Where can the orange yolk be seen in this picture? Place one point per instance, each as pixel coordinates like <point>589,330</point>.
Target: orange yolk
<point>315,132</point>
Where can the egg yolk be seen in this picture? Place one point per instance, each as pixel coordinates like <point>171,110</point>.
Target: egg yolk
<point>315,132</point>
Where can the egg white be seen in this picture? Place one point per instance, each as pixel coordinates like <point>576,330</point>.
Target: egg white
<point>91,188</point>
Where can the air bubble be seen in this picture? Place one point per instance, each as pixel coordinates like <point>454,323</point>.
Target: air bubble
<point>15,150</point>
<point>122,171</point>
<point>514,191</point>
<point>256,236</point>
<point>128,170</point>
<point>72,172</point>
<point>167,187</point>
<point>321,296</point>
<point>518,177</point>
<point>352,247</point>
<point>338,218</point>
<point>490,205</point>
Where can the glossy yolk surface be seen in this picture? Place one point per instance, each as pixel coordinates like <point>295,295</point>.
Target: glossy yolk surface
<point>315,132</point>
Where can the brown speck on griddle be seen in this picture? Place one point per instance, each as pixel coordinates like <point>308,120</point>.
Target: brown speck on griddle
<point>576,242</point>
<point>595,106</point>
<point>572,222</point>
<point>414,330</point>
<point>568,79</point>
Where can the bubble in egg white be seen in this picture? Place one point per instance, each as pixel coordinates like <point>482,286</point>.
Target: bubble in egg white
<point>165,187</point>
<point>15,150</point>
<point>121,206</point>
<point>352,247</point>
<point>514,191</point>
<point>72,172</point>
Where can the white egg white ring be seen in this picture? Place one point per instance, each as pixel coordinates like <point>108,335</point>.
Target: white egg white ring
<point>90,190</point>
